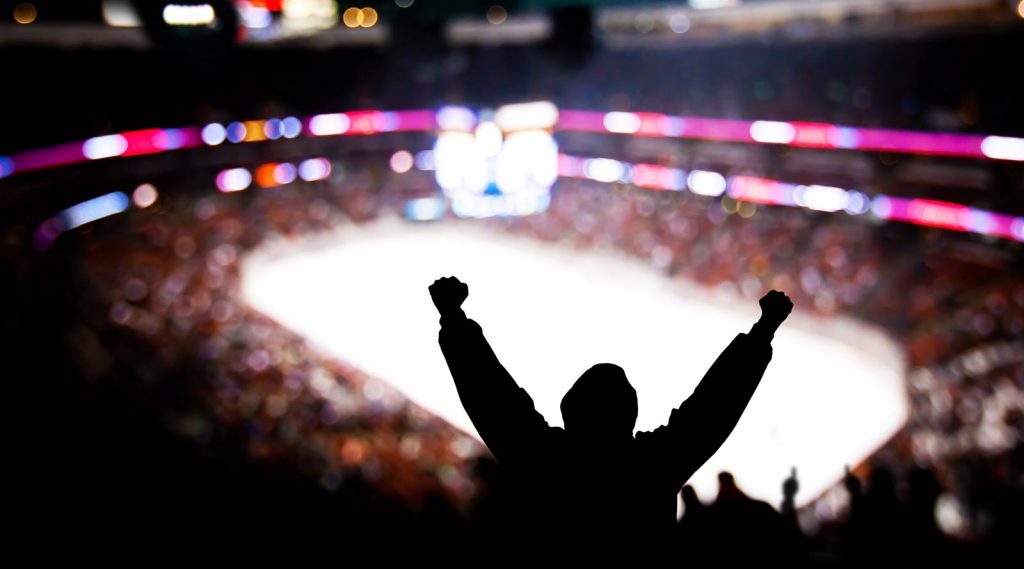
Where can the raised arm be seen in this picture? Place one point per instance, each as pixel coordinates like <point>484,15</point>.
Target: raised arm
<point>502,412</point>
<point>699,427</point>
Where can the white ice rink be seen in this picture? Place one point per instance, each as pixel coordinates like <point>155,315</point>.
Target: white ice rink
<point>832,394</point>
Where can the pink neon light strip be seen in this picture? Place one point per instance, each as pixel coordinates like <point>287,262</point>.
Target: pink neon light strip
<point>800,134</point>
<point>930,213</point>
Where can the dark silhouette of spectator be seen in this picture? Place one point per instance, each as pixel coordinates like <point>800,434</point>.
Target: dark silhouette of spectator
<point>592,486</point>
<point>736,518</point>
<point>694,527</point>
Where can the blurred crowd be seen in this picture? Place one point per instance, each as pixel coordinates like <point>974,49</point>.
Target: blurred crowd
<point>157,305</point>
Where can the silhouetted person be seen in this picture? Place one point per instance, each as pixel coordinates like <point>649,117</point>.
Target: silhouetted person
<point>745,530</point>
<point>592,482</point>
<point>695,541</point>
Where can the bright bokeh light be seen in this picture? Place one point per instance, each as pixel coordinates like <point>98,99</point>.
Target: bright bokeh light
<point>488,138</point>
<point>94,209</point>
<point>329,124</point>
<point>772,132</point>
<point>831,396</point>
<point>285,173</point>
<point>605,170</point>
<point>526,116</point>
<point>456,118</point>
<point>1003,147</point>
<point>369,17</point>
<point>314,169</point>
<point>622,123</point>
<point>214,134</point>
<point>359,17</point>
<point>401,161</point>
<point>459,167</point>
<point>144,196</point>
<point>108,146</point>
<point>234,180</point>
<point>1020,8</point>
<point>189,14</point>
<point>497,15</point>
<point>680,23</point>
<point>706,183</point>
<point>291,127</point>
<point>25,13</point>
<point>120,14</point>
<point>236,132</point>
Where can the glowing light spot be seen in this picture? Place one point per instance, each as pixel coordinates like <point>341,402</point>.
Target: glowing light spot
<point>169,139</point>
<point>680,23</point>
<point>369,17</point>
<point>706,183</point>
<point>329,124</point>
<point>525,116</point>
<point>291,127</point>
<point>488,138</point>
<point>456,118</point>
<point>236,132</point>
<point>497,15</point>
<point>254,131</point>
<point>425,160</point>
<point>91,210</point>
<point>404,3</point>
<point>881,206</point>
<point>772,132</point>
<point>264,175</point>
<point>272,129</point>
<point>1003,147</point>
<point>6,166</point>
<point>1017,228</point>
<point>604,169</point>
<point>189,15</point>
<point>284,173</point>
<point>857,203</point>
<point>359,17</point>
<point>104,146</point>
<point>822,198</point>
<point>424,209</point>
<point>234,180</point>
<point>314,169</point>
<point>144,196</point>
<point>25,13</point>
<point>401,161</point>
<point>214,134</point>
<point>623,123</point>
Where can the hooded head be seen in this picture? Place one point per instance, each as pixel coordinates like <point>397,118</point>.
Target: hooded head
<point>601,402</point>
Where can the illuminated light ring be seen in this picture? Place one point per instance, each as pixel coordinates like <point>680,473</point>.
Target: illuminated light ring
<point>809,135</point>
<point>156,140</point>
<point>828,199</point>
<point>797,134</point>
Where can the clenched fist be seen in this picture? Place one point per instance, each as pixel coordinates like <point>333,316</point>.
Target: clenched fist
<point>448,293</point>
<point>775,307</point>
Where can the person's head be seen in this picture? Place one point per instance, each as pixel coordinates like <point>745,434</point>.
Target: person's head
<point>601,402</point>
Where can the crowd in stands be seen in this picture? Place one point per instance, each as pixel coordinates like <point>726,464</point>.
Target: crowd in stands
<point>157,298</point>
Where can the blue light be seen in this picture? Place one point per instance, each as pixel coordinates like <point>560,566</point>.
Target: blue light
<point>91,210</point>
<point>214,134</point>
<point>291,127</point>
<point>273,129</point>
<point>236,132</point>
